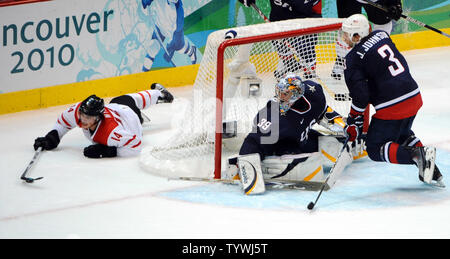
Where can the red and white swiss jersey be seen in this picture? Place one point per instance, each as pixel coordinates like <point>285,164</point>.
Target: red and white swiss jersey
<point>120,128</point>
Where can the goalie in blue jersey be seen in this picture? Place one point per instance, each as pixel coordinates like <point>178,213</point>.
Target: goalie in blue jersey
<point>282,144</point>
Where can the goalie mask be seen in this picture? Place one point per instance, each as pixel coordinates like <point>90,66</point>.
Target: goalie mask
<point>288,90</point>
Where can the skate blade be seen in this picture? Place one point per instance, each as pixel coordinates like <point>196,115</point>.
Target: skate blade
<point>439,184</point>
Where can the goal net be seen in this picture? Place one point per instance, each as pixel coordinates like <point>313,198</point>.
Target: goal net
<point>236,78</point>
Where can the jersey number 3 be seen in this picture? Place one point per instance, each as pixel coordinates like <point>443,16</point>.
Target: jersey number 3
<point>384,51</point>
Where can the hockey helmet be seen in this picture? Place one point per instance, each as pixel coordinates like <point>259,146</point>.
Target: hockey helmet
<point>356,24</point>
<point>288,90</point>
<point>92,106</point>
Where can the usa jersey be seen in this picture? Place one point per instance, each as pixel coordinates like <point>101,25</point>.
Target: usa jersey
<point>120,128</point>
<point>278,134</point>
<point>377,73</point>
<point>290,9</point>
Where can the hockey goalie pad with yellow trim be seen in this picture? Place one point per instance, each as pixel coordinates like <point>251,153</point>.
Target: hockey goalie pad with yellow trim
<point>250,174</point>
<point>329,146</point>
<point>302,167</point>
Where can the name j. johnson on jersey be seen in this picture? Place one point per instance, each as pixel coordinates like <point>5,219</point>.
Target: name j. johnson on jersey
<point>372,41</point>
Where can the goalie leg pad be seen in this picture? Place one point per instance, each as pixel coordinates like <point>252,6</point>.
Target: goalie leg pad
<point>307,168</point>
<point>250,174</point>
<point>329,147</point>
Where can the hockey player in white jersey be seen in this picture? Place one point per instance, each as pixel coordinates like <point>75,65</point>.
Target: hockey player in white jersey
<point>114,129</point>
<point>168,20</point>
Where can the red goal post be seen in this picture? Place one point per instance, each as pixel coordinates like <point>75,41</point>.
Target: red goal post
<point>220,76</point>
<point>223,91</point>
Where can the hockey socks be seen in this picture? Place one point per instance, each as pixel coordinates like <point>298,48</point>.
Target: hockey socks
<point>392,152</point>
<point>145,98</point>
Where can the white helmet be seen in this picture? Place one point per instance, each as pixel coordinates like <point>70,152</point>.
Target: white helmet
<point>356,24</point>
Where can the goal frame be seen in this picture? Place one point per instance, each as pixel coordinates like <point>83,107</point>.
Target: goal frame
<point>220,76</point>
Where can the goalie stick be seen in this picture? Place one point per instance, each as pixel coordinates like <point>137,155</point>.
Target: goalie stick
<point>337,168</point>
<point>409,19</point>
<point>35,157</point>
<point>270,183</point>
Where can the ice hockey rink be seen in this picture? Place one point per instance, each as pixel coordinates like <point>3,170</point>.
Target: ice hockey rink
<point>116,198</point>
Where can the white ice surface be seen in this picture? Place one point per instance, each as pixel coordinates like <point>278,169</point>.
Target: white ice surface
<point>115,198</point>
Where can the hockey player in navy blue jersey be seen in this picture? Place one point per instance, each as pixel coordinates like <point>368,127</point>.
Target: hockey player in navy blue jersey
<point>380,19</point>
<point>296,54</point>
<point>284,128</point>
<point>377,73</point>
<point>284,125</point>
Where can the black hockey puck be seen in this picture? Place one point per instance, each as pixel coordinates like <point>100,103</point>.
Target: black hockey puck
<point>310,206</point>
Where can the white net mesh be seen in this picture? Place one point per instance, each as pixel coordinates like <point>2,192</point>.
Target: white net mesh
<point>189,152</point>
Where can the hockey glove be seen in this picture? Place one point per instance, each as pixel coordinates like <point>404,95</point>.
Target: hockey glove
<point>395,11</point>
<point>99,151</point>
<point>247,3</point>
<point>354,127</point>
<point>49,142</point>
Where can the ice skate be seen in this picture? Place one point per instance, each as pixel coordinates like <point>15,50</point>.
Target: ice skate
<point>166,97</point>
<point>438,179</point>
<point>424,157</point>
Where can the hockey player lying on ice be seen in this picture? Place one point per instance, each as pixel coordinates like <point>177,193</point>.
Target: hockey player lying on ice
<point>114,128</point>
<point>283,144</point>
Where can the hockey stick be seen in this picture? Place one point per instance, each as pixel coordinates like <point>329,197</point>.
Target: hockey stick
<point>273,184</point>
<point>409,19</point>
<point>260,12</point>
<point>146,118</point>
<point>325,184</point>
<point>35,157</point>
